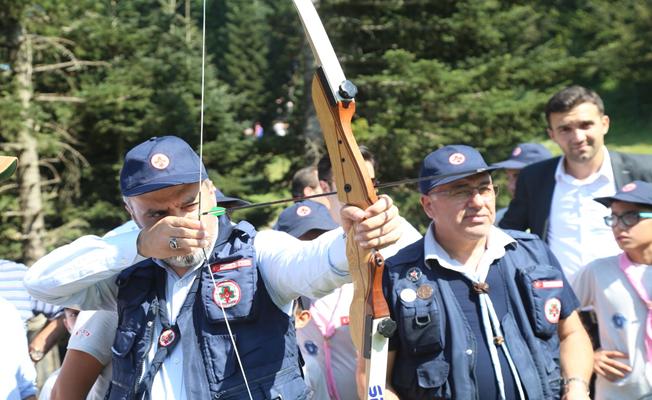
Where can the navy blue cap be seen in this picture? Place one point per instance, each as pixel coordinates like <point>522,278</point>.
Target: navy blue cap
<point>158,163</point>
<point>638,192</point>
<point>523,155</point>
<point>449,164</point>
<point>304,216</point>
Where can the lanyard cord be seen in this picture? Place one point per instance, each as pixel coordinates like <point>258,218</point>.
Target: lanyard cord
<point>199,214</point>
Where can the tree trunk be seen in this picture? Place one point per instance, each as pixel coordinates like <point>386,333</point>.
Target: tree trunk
<point>29,177</point>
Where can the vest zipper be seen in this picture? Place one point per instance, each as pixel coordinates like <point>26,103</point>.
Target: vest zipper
<point>149,331</point>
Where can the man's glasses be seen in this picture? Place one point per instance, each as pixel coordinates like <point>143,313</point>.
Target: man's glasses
<point>487,191</point>
<point>628,219</point>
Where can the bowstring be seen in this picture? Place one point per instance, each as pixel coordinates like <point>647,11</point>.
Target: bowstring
<point>199,210</point>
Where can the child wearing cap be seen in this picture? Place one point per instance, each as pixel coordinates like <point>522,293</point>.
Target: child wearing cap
<point>620,290</point>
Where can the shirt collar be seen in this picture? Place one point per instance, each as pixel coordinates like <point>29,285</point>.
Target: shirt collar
<point>605,171</point>
<point>497,240</point>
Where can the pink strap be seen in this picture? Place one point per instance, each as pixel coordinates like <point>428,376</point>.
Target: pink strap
<point>626,265</point>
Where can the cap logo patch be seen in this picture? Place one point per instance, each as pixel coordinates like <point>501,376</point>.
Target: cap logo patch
<point>552,310</point>
<point>517,151</point>
<point>456,158</point>
<point>227,294</point>
<point>303,211</point>
<point>629,187</point>
<point>159,161</point>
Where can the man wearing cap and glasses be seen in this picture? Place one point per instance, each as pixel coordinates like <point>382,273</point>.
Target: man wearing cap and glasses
<point>188,329</point>
<point>17,373</point>
<point>481,313</point>
<point>620,290</point>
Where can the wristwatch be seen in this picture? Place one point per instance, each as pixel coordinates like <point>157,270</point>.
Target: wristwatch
<point>36,355</point>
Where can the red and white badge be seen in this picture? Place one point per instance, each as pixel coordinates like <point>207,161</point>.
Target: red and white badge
<point>629,187</point>
<point>167,338</point>
<point>159,161</point>
<point>456,158</point>
<point>244,262</point>
<point>227,294</point>
<point>550,284</point>
<point>302,211</point>
<point>552,309</point>
<point>516,151</point>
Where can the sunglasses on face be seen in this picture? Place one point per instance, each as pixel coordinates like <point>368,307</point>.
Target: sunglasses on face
<point>628,219</point>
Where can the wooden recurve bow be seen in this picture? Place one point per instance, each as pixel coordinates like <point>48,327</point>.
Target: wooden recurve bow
<point>333,98</point>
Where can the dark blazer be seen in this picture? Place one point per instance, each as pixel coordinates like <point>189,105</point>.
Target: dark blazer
<point>530,207</point>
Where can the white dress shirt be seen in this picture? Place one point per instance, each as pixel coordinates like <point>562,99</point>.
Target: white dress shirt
<point>577,233</point>
<point>82,274</point>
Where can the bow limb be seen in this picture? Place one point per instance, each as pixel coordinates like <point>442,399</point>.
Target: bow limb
<point>332,96</point>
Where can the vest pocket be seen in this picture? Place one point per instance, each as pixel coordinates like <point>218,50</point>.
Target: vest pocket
<point>219,355</point>
<point>542,287</point>
<point>427,381</point>
<point>420,326</point>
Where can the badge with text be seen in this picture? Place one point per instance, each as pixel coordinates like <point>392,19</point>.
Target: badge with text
<point>244,262</point>
<point>414,274</point>
<point>226,294</point>
<point>408,295</point>
<point>424,292</point>
<point>167,338</point>
<point>548,284</point>
<point>552,309</point>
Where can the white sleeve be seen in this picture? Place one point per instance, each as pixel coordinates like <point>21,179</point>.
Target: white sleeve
<point>14,349</point>
<point>291,267</point>
<point>82,273</point>
<point>94,333</point>
<point>584,284</point>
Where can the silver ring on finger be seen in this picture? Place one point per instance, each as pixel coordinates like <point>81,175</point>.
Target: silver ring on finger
<point>173,243</point>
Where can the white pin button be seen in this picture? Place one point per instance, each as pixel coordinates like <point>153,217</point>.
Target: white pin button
<point>408,295</point>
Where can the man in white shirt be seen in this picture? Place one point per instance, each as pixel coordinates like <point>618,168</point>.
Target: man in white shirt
<point>206,321</point>
<point>554,198</point>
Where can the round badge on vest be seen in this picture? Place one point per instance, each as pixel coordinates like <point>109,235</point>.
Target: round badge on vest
<point>424,292</point>
<point>227,294</point>
<point>552,309</point>
<point>414,274</point>
<point>166,338</point>
<point>408,295</point>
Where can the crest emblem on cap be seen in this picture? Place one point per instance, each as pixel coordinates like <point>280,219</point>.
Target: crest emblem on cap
<point>552,310</point>
<point>456,158</point>
<point>227,294</point>
<point>629,187</point>
<point>303,211</point>
<point>517,151</point>
<point>159,161</point>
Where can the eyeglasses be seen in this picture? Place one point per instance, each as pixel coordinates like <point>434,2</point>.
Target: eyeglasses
<point>628,219</point>
<point>462,194</point>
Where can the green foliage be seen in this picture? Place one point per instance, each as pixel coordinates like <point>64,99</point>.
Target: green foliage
<point>429,73</point>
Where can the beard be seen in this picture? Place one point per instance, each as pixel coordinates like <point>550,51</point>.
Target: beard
<point>187,261</point>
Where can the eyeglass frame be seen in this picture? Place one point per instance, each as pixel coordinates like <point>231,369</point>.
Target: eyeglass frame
<point>469,192</point>
<point>613,219</point>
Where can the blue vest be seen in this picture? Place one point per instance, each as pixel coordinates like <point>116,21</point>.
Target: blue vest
<point>264,334</point>
<point>435,348</point>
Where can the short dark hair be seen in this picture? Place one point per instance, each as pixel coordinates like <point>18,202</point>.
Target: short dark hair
<point>305,177</point>
<point>325,170</point>
<point>570,97</point>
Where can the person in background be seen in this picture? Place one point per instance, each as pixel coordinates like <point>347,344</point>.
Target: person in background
<point>327,337</point>
<point>523,155</point>
<point>17,373</point>
<point>482,313</point>
<point>69,319</point>
<point>86,369</point>
<point>554,198</point>
<point>620,290</point>
<point>313,373</point>
<point>305,182</point>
